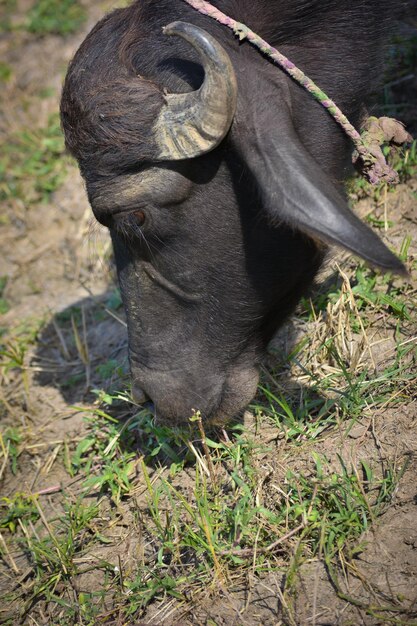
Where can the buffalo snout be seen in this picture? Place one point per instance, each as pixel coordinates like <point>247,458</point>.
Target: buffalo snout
<point>178,395</point>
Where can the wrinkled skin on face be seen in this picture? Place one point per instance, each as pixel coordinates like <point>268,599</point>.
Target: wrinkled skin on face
<point>198,283</point>
<point>204,283</point>
<point>214,251</point>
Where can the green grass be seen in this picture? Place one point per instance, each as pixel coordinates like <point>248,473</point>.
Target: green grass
<point>33,165</point>
<point>44,17</point>
<point>20,509</point>
<point>4,305</point>
<point>372,292</point>
<point>226,521</point>
<point>5,72</point>
<point>9,444</point>
<point>60,17</point>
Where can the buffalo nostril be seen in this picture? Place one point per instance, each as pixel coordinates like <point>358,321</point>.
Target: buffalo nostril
<point>138,395</point>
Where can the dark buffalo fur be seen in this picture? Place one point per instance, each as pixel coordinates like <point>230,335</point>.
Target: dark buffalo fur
<point>207,233</point>
<point>336,43</point>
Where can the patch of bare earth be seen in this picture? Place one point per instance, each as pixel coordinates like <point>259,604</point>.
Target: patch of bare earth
<point>49,254</point>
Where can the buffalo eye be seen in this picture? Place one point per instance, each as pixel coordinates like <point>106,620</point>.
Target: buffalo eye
<point>140,217</point>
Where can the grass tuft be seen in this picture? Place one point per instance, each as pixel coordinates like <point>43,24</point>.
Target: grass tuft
<point>61,17</point>
<point>33,165</point>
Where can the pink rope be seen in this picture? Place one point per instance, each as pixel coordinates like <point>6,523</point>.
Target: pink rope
<point>370,159</point>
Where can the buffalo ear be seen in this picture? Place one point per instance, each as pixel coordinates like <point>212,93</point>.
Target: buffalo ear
<point>295,190</point>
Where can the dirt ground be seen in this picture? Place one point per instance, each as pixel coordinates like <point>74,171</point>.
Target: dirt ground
<point>55,258</point>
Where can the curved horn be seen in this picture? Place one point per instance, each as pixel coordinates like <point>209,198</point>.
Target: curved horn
<point>191,124</point>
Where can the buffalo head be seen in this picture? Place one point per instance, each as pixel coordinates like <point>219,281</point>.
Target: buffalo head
<point>220,183</point>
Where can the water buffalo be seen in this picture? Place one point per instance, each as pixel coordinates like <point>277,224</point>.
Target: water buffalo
<point>220,179</point>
